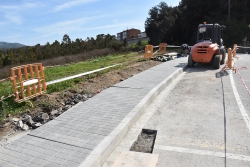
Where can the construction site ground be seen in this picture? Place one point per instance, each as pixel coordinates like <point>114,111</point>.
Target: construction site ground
<point>201,117</point>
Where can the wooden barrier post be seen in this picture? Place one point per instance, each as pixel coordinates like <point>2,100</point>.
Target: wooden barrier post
<point>27,75</point>
<point>13,78</point>
<point>234,50</point>
<point>163,48</point>
<point>230,58</point>
<point>148,51</point>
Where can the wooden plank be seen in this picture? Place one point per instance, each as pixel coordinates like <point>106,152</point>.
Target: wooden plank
<point>136,159</point>
<point>171,54</point>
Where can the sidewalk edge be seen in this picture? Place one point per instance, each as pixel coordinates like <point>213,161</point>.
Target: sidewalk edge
<point>105,148</point>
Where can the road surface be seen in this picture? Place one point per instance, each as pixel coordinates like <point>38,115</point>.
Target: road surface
<point>201,120</point>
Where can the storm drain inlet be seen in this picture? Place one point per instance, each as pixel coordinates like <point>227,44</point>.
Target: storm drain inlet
<point>145,141</point>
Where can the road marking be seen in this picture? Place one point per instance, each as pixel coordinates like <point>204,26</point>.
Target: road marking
<point>202,152</point>
<point>239,102</point>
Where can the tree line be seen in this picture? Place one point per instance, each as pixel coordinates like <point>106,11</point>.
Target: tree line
<point>178,25</point>
<point>31,54</point>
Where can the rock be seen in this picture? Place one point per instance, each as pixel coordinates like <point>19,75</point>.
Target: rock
<point>36,125</point>
<point>25,127</point>
<point>68,106</point>
<point>15,119</point>
<point>41,117</point>
<point>62,103</point>
<point>85,96</point>
<point>45,117</point>
<point>51,117</point>
<point>79,96</point>
<point>68,102</point>
<point>89,96</point>
<point>76,101</point>
<point>54,112</point>
<point>59,109</point>
<point>72,103</point>
<point>19,124</point>
<point>28,119</point>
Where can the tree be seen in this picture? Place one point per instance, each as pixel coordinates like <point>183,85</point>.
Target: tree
<point>159,23</point>
<point>1,59</point>
<point>66,39</point>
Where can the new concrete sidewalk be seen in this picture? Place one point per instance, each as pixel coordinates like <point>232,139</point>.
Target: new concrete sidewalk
<point>87,133</point>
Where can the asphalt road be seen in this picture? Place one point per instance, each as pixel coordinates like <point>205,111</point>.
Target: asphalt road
<point>202,120</point>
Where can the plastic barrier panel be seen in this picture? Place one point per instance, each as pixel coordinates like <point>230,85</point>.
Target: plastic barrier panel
<point>28,81</point>
<point>230,58</point>
<point>162,48</point>
<point>148,51</point>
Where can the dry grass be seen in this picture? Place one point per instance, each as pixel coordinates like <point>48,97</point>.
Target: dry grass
<point>5,71</point>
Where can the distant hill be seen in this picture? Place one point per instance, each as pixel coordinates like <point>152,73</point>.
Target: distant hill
<point>6,45</point>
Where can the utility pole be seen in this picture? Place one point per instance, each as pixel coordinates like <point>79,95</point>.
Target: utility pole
<point>228,10</point>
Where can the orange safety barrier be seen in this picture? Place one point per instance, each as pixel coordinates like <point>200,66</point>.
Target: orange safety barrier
<point>234,50</point>
<point>230,58</point>
<point>231,55</point>
<point>148,51</point>
<point>162,48</point>
<point>28,81</point>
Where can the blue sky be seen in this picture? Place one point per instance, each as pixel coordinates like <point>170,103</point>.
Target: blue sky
<point>30,22</point>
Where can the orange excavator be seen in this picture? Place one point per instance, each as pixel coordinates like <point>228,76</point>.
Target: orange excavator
<point>209,46</point>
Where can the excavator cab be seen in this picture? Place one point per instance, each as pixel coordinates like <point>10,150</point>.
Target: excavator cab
<point>209,46</point>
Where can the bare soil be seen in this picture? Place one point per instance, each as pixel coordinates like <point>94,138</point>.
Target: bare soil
<point>91,87</point>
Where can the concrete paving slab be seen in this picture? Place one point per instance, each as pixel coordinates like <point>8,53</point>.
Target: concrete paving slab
<point>135,159</point>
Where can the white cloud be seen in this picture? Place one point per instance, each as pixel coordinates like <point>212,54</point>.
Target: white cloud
<point>21,7</point>
<point>2,23</point>
<point>13,18</point>
<point>72,3</point>
<point>64,27</point>
<point>116,25</point>
<point>13,13</point>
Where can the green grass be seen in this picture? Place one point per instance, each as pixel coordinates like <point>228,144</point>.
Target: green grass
<point>77,68</point>
<point>8,106</point>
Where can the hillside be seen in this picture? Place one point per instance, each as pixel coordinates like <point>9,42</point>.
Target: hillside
<point>6,45</point>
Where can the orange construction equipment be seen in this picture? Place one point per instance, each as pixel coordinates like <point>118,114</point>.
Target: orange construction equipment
<point>209,46</point>
<point>28,81</point>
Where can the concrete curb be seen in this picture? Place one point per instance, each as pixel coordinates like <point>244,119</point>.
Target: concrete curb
<point>105,148</point>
